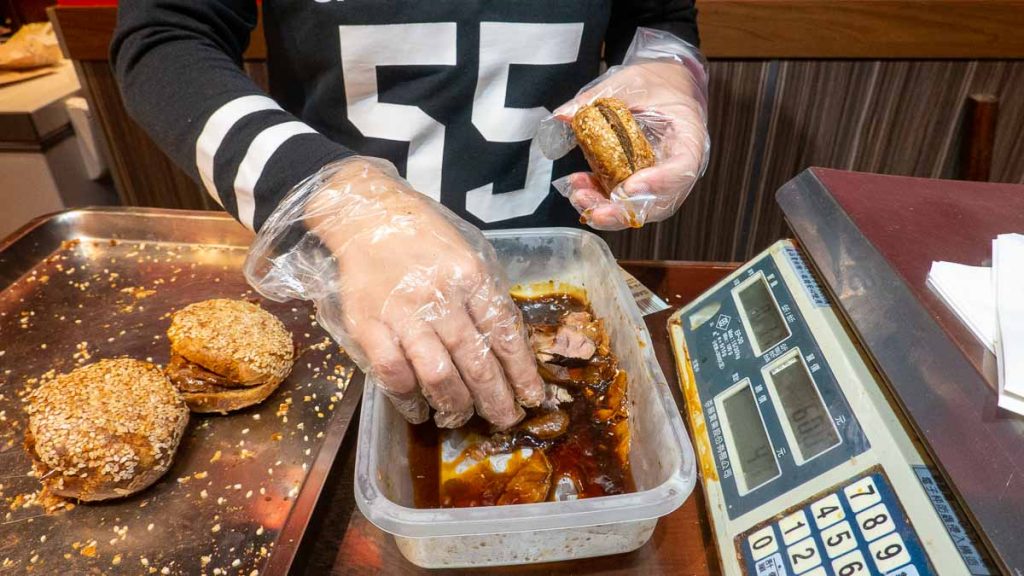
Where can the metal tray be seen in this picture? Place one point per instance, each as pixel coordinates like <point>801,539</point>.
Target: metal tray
<point>94,283</point>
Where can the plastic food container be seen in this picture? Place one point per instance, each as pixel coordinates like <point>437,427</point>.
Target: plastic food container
<point>661,455</point>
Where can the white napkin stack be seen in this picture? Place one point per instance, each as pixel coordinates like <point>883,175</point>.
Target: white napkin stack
<point>970,293</point>
<point>990,301</point>
<point>1008,278</point>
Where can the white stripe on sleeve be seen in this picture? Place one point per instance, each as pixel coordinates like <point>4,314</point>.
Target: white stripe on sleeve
<point>256,157</point>
<point>217,127</point>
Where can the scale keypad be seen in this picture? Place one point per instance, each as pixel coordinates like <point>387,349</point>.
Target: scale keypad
<point>857,528</point>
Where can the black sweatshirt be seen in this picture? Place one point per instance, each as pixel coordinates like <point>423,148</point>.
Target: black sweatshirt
<point>450,91</point>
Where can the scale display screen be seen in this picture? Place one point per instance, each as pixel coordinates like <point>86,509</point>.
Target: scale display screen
<point>809,423</point>
<point>753,456</point>
<point>764,320</point>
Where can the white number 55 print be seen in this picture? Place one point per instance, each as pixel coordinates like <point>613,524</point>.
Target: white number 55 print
<point>364,48</point>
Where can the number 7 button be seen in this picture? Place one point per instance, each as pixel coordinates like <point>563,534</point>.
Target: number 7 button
<point>862,494</point>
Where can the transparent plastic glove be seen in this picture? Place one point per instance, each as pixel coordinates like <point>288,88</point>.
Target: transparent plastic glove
<point>413,293</point>
<point>663,82</point>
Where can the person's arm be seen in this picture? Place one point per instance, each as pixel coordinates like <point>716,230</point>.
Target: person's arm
<point>413,292</point>
<point>678,17</point>
<point>178,63</point>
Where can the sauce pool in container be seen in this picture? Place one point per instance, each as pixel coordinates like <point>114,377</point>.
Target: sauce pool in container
<point>576,445</point>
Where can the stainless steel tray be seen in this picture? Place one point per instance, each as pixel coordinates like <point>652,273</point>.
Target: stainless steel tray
<point>87,284</point>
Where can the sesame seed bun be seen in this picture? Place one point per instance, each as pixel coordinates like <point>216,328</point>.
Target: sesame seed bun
<point>240,354</point>
<point>105,430</point>
<point>611,141</point>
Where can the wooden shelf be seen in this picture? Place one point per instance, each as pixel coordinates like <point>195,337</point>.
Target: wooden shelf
<point>876,29</point>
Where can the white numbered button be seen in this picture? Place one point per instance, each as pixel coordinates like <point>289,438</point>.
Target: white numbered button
<point>819,571</point>
<point>803,555</point>
<point>838,539</point>
<point>862,494</point>
<point>762,543</point>
<point>850,565</point>
<point>889,552</point>
<point>794,527</point>
<point>827,511</point>
<point>875,522</point>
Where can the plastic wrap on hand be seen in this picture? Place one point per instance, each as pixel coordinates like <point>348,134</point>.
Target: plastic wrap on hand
<point>663,81</point>
<point>411,291</point>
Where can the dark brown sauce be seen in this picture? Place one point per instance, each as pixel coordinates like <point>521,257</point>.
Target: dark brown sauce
<point>593,452</point>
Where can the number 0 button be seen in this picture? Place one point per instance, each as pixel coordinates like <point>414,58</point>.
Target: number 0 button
<point>762,543</point>
<point>827,511</point>
<point>889,552</point>
<point>804,555</point>
<point>862,494</point>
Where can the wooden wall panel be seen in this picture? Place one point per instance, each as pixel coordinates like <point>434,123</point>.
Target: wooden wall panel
<point>143,174</point>
<point>872,29</point>
<point>771,119</point>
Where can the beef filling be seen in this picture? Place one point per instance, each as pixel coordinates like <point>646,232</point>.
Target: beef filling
<point>189,377</point>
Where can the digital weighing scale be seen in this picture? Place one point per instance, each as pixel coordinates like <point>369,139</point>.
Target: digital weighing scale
<point>809,464</point>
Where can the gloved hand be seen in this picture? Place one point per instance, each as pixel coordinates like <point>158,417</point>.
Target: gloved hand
<point>411,291</point>
<point>663,81</point>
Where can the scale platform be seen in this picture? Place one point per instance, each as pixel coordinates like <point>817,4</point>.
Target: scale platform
<point>845,421</point>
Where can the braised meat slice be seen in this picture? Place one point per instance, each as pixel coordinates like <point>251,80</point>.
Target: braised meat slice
<point>555,396</point>
<point>546,425</point>
<point>537,431</point>
<point>572,342</point>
